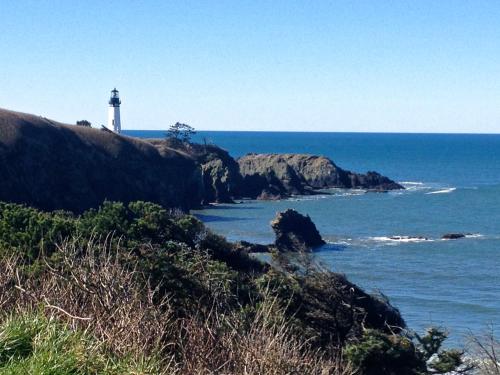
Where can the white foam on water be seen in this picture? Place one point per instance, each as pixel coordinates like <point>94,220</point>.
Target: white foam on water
<point>412,186</point>
<point>343,243</point>
<point>351,193</point>
<point>300,198</point>
<point>474,235</point>
<point>336,192</point>
<point>391,240</point>
<point>411,183</point>
<point>400,239</point>
<point>444,191</point>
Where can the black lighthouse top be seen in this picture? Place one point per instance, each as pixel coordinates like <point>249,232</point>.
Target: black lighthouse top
<point>114,100</point>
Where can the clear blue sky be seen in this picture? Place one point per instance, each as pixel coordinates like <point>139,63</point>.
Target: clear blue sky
<point>404,66</point>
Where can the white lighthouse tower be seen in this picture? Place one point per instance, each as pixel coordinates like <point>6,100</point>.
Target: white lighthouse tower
<point>114,122</point>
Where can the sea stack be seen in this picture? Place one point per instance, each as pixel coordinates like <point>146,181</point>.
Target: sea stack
<point>295,232</point>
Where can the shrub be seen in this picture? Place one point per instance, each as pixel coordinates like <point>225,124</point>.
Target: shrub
<point>144,283</point>
<point>29,232</point>
<point>129,330</point>
<point>380,354</point>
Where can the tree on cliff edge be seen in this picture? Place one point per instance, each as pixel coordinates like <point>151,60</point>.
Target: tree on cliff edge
<point>180,132</point>
<point>84,123</point>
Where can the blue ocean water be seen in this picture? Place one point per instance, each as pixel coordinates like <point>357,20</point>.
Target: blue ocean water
<point>453,185</point>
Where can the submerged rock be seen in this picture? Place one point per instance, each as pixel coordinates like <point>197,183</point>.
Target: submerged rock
<point>453,236</point>
<point>295,232</point>
<point>281,175</point>
<point>408,238</point>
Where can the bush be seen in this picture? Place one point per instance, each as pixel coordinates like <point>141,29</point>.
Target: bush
<point>145,283</point>
<point>380,354</point>
<point>127,328</point>
<point>29,232</point>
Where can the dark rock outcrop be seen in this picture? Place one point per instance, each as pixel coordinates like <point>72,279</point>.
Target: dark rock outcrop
<point>453,236</point>
<point>53,166</point>
<point>220,172</point>
<point>269,176</point>
<point>295,232</point>
<point>274,176</point>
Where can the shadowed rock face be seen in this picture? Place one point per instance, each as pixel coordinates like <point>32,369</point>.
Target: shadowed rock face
<point>295,232</point>
<point>52,166</point>
<point>268,176</point>
<point>220,172</point>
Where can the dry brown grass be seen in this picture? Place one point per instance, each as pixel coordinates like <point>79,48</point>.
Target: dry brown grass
<point>94,292</point>
<point>12,122</point>
<point>91,290</point>
<point>264,345</point>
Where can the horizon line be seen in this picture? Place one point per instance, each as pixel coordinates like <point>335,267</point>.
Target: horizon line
<point>319,132</point>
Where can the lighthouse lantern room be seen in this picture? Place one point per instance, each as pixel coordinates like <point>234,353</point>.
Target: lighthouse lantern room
<point>114,122</point>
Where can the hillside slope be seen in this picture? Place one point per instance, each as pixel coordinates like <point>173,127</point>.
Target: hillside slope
<point>52,166</point>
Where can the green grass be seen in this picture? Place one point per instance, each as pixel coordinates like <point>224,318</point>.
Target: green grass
<point>33,344</point>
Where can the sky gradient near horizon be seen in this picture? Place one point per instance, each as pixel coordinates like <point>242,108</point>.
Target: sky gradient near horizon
<point>374,66</point>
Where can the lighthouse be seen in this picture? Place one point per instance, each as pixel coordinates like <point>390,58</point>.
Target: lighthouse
<point>114,122</point>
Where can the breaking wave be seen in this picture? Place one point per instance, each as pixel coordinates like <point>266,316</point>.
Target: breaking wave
<point>400,239</point>
<point>392,240</point>
<point>443,191</point>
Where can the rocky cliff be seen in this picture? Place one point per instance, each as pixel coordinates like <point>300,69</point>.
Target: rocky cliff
<point>56,166</point>
<point>220,172</point>
<point>52,166</point>
<point>268,176</point>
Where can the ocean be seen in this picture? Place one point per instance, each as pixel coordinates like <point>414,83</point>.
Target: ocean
<point>453,185</point>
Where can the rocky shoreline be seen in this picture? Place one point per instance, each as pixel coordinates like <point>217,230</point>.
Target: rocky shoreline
<point>275,176</point>
<point>271,176</point>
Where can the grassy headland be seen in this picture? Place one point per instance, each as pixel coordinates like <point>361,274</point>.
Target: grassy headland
<point>53,166</point>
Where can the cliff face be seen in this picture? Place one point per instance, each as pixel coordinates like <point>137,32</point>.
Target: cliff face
<point>219,171</point>
<point>52,166</point>
<point>268,176</point>
<point>221,177</point>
